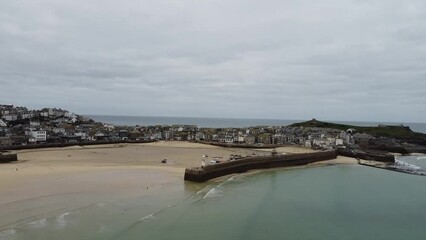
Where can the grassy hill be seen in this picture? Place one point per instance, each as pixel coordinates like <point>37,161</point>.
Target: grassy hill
<point>398,131</point>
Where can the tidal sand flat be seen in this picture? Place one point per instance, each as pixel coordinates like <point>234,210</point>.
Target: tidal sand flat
<point>125,192</point>
<point>46,182</point>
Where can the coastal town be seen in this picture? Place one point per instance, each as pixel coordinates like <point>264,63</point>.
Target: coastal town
<point>20,126</point>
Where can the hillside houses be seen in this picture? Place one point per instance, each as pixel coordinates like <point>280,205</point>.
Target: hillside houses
<point>20,126</point>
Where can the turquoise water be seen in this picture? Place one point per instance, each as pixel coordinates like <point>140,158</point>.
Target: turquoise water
<point>334,202</point>
<point>338,202</point>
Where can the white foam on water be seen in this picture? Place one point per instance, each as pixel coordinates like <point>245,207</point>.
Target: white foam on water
<point>61,221</point>
<point>41,223</point>
<point>201,191</point>
<point>204,190</point>
<point>406,165</point>
<point>214,192</point>
<point>148,217</point>
<point>420,158</point>
<point>231,179</point>
<point>7,234</point>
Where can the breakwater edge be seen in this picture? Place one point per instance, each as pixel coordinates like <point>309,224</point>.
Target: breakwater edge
<point>202,174</point>
<point>205,173</point>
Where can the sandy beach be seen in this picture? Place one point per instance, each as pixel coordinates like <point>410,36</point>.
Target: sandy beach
<point>119,169</point>
<point>86,168</point>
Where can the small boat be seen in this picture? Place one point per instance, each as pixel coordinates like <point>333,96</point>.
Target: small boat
<point>164,160</point>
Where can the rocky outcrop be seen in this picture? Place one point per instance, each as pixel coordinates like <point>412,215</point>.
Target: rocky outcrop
<point>377,156</point>
<point>7,158</point>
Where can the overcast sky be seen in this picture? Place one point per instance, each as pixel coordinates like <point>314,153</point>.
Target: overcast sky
<point>280,59</point>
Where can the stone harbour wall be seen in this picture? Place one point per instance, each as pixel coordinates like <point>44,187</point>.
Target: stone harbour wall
<point>242,165</point>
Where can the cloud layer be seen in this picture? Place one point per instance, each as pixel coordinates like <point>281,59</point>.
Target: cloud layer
<point>340,59</point>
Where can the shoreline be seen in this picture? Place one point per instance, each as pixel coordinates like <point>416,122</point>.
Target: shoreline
<point>39,163</point>
<point>105,170</point>
<point>113,171</point>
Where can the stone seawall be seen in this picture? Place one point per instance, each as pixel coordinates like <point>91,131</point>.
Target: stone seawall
<point>243,165</point>
<point>7,158</point>
<point>58,145</point>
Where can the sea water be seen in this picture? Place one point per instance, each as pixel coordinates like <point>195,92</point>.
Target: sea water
<point>227,122</point>
<point>333,202</point>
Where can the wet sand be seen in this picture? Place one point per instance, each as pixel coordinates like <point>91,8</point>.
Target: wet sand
<point>72,169</point>
<point>86,168</point>
<point>107,170</point>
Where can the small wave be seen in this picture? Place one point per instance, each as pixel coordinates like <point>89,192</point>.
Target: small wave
<point>420,158</point>
<point>201,191</point>
<point>149,217</point>
<point>214,192</point>
<point>7,233</point>
<point>204,190</point>
<point>210,187</point>
<point>405,165</point>
<point>231,179</point>
<point>39,223</point>
<point>61,221</point>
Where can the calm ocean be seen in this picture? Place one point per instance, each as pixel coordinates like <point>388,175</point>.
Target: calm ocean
<point>334,202</point>
<point>225,122</point>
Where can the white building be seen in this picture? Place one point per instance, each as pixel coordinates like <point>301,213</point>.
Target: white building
<point>56,112</point>
<point>34,123</point>
<point>229,139</point>
<point>5,111</point>
<point>38,135</point>
<point>2,123</point>
<point>10,117</point>
<point>319,142</point>
<point>27,115</point>
<point>308,143</point>
<point>69,114</point>
<point>110,127</point>
<point>241,138</point>
<point>83,135</point>
<point>331,141</point>
<point>59,130</point>
<point>74,119</point>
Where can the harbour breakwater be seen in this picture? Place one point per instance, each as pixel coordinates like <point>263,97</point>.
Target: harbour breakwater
<point>202,174</point>
<point>59,145</point>
<point>8,157</point>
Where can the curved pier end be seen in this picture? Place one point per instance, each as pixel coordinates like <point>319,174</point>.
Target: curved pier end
<point>199,174</point>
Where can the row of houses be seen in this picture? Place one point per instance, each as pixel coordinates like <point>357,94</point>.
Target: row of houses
<point>52,125</point>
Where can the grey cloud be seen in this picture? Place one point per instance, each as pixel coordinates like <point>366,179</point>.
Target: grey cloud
<point>340,60</point>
